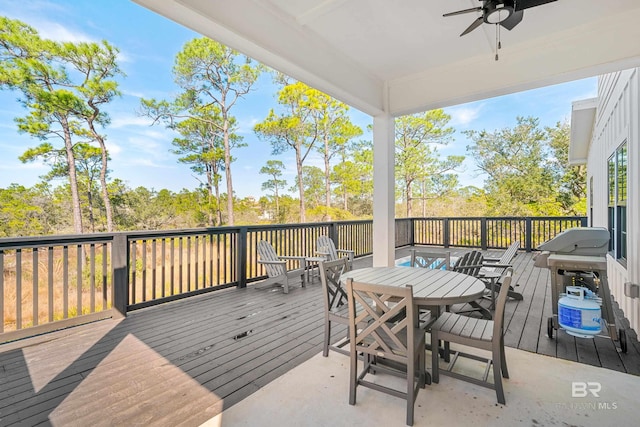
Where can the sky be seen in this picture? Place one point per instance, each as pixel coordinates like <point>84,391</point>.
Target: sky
<point>148,43</point>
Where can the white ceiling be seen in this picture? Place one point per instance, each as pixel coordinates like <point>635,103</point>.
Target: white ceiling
<point>403,56</point>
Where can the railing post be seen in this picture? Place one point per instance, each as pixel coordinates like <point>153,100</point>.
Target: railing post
<point>412,232</point>
<point>120,265</point>
<point>583,221</point>
<point>333,234</point>
<point>445,232</point>
<point>483,233</point>
<point>528,233</point>
<point>241,256</point>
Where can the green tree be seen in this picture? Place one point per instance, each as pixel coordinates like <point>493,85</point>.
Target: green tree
<point>97,65</point>
<point>293,129</point>
<point>515,160</point>
<point>313,185</point>
<point>19,215</point>
<point>202,146</point>
<point>274,169</point>
<point>572,178</point>
<point>417,158</point>
<point>335,130</point>
<point>90,164</point>
<point>353,177</point>
<point>30,65</point>
<point>209,74</point>
<point>64,86</point>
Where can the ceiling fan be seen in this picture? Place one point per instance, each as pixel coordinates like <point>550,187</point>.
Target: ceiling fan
<point>507,13</point>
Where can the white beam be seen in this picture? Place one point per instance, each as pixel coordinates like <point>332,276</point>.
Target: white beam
<point>290,47</point>
<point>575,53</point>
<point>383,191</point>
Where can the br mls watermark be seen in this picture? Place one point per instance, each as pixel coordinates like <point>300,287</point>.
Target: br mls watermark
<point>583,389</point>
<point>587,389</point>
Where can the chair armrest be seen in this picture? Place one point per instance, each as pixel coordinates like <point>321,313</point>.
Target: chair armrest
<point>346,251</point>
<point>498,265</point>
<point>302,260</point>
<point>272,262</point>
<point>350,253</point>
<point>489,259</point>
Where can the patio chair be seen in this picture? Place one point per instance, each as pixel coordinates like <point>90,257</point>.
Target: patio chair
<point>276,267</point>
<point>397,348</point>
<point>430,259</point>
<point>497,266</point>
<point>470,264</point>
<point>335,302</point>
<point>477,333</point>
<point>326,248</point>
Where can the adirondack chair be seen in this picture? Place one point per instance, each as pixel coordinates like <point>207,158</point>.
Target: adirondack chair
<point>276,267</point>
<point>495,267</point>
<point>424,258</point>
<point>327,248</point>
<point>470,264</point>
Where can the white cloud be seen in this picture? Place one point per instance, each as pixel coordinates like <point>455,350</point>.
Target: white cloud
<point>58,32</point>
<point>36,13</point>
<point>120,121</point>
<point>245,126</point>
<point>462,116</point>
<point>113,148</point>
<point>147,163</point>
<point>147,145</point>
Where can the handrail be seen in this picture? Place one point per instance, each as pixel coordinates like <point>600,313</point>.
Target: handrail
<point>53,281</point>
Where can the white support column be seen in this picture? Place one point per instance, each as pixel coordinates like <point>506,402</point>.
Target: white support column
<point>383,191</point>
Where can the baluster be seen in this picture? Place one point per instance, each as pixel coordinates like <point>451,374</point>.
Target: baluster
<point>34,283</point>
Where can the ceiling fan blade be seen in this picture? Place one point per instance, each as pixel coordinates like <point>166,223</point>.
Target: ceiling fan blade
<point>473,26</point>
<point>460,12</point>
<point>512,20</point>
<point>526,4</point>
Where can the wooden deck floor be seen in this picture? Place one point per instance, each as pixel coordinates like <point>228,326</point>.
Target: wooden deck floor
<point>182,363</point>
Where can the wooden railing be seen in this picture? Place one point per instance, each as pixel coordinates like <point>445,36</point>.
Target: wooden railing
<point>57,281</point>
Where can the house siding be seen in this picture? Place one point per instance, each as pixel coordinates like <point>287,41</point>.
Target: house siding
<point>617,121</point>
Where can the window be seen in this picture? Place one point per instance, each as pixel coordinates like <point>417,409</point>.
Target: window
<point>617,203</point>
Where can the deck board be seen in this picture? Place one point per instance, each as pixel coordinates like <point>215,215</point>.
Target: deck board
<point>183,362</point>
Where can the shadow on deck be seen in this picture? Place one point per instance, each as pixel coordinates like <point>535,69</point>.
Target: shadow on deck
<point>183,362</point>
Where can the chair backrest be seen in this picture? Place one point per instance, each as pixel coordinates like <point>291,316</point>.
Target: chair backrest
<point>510,253</point>
<point>505,259</point>
<point>469,263</point>
<point>334,293</point>
<point>388,313</point>
<point>267,253</point>
<point>498,319</point>
<point>431,259</point>
<point>326,245</point>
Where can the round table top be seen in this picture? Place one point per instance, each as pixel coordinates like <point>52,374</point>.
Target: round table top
<point>431,287</point>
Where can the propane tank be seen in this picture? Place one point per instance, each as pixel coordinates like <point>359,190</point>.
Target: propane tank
<point>579,312</point>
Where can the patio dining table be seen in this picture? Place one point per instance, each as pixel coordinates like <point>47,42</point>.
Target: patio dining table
<point>431,287</point>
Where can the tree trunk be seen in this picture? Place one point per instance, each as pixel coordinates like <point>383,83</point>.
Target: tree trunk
<point>424,199</point>
<point>277,201</point>
<point>103,168</point>
<point>303,217</point>
<point>227,170</point>
<point>210,196</point>
<point>73,178</point>
<point>91,219</point>
<point>327,180</point>
<point>409,199</point>
<point>218,210</point>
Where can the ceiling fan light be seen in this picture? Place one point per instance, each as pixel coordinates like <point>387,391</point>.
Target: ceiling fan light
<point>496,13</point>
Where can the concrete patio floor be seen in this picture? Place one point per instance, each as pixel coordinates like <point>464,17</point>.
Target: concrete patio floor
<point>538,393</point>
